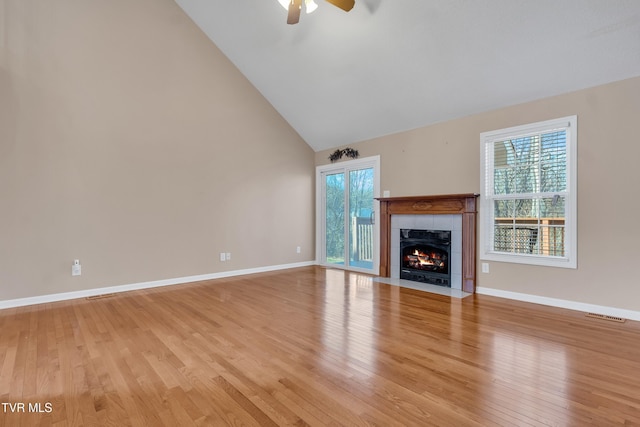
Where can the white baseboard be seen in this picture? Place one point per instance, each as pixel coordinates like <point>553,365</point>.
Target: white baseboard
<point>561,303</point>
<point>20,302</point>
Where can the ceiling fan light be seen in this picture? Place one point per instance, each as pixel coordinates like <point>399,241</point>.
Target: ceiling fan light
<point>284,4</point>
<point>310,5</point>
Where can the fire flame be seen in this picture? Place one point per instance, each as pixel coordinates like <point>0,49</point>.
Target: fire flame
<point>422,259</point>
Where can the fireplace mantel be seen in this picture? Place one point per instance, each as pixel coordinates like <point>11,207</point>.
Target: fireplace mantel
<point>464,204</point>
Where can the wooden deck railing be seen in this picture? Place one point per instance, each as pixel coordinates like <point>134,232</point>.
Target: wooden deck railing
<point>544,236</point>
<point>362,237</point>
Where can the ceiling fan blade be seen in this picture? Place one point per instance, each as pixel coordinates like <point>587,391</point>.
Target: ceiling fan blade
<point>345,5</point>
<point>294,11</point>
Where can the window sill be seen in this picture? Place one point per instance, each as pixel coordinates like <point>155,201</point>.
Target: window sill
<point>543,261</point>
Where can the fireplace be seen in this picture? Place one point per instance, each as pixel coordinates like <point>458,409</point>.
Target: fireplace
<point>425,256</point>
<point>462,205</point>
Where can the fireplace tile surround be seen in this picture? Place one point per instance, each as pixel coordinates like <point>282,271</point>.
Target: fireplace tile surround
<point>457,211</point>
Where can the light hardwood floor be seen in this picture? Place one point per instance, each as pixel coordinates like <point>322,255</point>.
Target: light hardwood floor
<point>312,346</point>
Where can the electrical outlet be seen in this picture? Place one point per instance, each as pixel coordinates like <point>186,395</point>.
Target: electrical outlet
<point>298,249</point>
<point>223,257</point>
<point>228,256</point>
<point>485,267</point>
<point>76,268</point>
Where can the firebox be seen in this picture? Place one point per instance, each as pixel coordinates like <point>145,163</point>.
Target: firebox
<point>424,256</point>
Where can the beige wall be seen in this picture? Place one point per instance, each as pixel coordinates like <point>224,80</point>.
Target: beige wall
<point>129,141</point>
<point>445,158</point>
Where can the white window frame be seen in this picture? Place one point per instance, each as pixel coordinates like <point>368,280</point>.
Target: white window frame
<point>486,226</point>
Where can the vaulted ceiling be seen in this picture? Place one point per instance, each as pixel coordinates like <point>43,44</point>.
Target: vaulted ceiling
<point>393,65</point>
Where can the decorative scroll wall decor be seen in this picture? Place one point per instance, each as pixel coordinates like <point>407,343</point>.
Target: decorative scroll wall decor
<point>348,152</point>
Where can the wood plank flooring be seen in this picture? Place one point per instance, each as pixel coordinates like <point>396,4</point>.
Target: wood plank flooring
<point>313,346</point>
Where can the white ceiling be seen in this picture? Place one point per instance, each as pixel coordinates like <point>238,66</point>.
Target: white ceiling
<point>393,65</point>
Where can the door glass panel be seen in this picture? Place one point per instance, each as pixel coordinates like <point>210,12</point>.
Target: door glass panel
<point>334,218</point>
<point>361,218</point>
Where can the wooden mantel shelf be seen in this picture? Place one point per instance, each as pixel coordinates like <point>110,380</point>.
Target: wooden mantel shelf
<point>464,204</point>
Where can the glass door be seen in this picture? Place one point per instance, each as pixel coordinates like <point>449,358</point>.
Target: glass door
<point>347,231</point>
<point>361,218</point>
<point>334,218</point>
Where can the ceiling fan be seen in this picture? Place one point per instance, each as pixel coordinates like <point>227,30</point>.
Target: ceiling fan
<point>295,6</point>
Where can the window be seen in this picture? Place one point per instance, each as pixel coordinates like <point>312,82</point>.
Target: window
<point>528,200</point>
